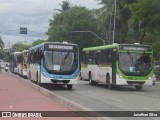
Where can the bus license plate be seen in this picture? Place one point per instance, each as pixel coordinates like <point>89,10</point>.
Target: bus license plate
<point>59,82</point>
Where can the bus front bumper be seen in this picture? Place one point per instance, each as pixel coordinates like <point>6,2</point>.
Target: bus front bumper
<point>59,81</point>
<point>122,81</point>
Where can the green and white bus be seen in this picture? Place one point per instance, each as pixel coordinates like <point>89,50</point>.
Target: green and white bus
<point>118,64</point>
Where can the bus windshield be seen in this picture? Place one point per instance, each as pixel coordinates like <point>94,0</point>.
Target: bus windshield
<point>60,62</point>
<point>138,64</point>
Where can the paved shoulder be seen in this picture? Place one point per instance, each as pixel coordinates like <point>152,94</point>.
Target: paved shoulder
<point>15,95</point>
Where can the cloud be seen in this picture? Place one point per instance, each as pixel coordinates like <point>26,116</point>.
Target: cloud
<point>5,7</point>
<point>33,14</point>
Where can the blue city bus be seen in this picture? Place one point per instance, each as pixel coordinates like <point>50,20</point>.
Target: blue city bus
<point>55,63</point>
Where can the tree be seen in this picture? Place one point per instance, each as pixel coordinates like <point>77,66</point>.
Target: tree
<point>77,18</point>
<point>1,47</point>
<point>1,43</point>
<point>38,42</point>
<point>106,19</point>
<point>65,6</point>
<point>60,18</point>
<point>19,46</point>
<point>145,17</point>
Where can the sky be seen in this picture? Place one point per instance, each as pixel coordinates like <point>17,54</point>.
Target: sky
<point>33,14</point>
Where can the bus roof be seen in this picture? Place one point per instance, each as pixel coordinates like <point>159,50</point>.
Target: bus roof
<point>42,44</point>
<point>115,45</point>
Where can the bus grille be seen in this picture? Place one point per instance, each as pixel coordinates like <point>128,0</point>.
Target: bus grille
<point>56,81</point>
<point>136,82</point>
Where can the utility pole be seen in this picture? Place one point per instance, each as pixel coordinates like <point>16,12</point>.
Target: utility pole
<point>114,26</point>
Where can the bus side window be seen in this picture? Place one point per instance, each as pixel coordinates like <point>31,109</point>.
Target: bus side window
<point>38,56</point>
<point>84,58</point>
<point>32,57</point>
<point>104,57</point>
<point>97,57</point>
<point>110,59</point>
<point>87,58</point>
<point>91,58</point>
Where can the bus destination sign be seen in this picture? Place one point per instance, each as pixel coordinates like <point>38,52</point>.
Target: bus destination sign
<point>64,47</point>
<point>135,48</point>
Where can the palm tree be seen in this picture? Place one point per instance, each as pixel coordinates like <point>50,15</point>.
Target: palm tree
<point>65,6</point>
<point>143,17</point>
<point>106,15</point>
<point>60,19</point>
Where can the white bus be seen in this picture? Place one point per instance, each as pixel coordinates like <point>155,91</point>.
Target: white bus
<point>53,62</point>
<point>22,63</point>
<point>118,64</point>
<point>13,62</point>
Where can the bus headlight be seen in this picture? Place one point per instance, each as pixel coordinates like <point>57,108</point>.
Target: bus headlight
<point>152,77</point>
<point>120,76</point>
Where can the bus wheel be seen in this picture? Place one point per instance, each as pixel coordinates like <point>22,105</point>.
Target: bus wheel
<point>138,87</point>
<point>69,87</point>
<point>90,79</point>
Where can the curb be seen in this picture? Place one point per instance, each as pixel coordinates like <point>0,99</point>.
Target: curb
<point>63,101</point>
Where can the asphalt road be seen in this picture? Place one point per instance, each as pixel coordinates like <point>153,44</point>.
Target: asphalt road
<point>100,98</point>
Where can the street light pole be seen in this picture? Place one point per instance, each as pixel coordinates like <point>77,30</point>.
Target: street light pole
<point>114,26</point>
<point>91,33</point>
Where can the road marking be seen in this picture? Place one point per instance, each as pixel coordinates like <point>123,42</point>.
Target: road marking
<point>114,99</point>
<point>149,109</point>
<point>92,92</point>
<point>140,93</point>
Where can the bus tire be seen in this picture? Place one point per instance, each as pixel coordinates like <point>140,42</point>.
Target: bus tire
<point>90,79</point>
<point>138,87</point>
<point>69,87</point>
